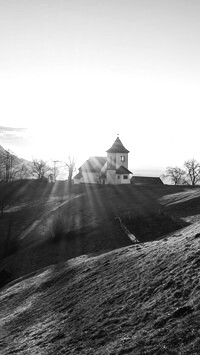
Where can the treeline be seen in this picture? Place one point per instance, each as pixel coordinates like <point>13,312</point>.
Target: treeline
<point>13,168</point>
<point>189,174</point>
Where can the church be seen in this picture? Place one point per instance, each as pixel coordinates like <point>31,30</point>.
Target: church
<point>112,169</point>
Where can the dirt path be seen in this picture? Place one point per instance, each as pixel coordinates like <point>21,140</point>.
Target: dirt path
<point>45,219</point>
<point>180,197</point>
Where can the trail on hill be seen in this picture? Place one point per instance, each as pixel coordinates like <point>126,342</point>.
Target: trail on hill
<point>45,217</point>
<point>180,197</point>
<point>185,204</point>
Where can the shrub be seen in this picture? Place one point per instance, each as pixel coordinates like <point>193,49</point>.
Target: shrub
<point>58,228</point>
<point>11,245</point>
<point>153,225</point>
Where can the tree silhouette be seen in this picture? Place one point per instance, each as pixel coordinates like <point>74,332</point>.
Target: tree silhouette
<point>70,164</point>
<point>40,168</point>
<point>176,174</point>
<point>193,171</point>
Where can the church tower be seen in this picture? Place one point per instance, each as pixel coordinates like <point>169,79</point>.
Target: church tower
<point>117,164</point>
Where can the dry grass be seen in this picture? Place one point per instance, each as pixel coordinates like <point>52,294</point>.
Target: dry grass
<point>141,299</point>
<point>135,300</point>
<point>90,218</point>
<point>153,225</point>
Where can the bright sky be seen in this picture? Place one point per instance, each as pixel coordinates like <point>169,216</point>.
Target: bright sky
<point>75,73</point>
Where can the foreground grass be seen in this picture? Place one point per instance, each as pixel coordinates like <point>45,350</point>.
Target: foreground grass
<point>88,220</point>
<point>27,203</point>
<point>86,224</point>
<point>141,299</point>
<point>135,300</point>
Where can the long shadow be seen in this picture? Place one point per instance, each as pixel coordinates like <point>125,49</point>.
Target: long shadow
<point>186,208</point>
<point>25,201</point>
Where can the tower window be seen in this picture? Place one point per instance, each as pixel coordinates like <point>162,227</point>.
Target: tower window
<point>122,158</point>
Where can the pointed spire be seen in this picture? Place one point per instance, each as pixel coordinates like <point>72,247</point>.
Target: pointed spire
<point>117,147</point>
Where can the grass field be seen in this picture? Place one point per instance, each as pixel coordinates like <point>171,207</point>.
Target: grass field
<point>93,291</point>
<point>88,217</point>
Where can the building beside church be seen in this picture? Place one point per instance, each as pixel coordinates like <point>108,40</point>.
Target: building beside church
<point>146,180</point>
<point>112,169</point>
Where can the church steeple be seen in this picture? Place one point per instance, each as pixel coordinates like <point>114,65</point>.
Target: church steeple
<point>117,163</point>
<point>117,147</point>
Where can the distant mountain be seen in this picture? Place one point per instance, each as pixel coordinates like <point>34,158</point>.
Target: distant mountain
<point>2,151</point>
<point>11,166</point>
<point>3,154</point>
<point>149,172</point>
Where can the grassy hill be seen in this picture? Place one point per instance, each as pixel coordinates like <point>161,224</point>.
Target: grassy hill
<point>86,215</point>
<point>135,300</point>
<point>94,292</point>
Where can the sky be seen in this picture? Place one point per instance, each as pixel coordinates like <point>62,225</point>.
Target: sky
<point>75,73</point>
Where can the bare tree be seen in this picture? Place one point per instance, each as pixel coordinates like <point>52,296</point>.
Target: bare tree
<point>176,174</point>
<point>12,167</point>
<point>70,164</point>
<point>2,170</point>
<point>55,169</point>
<point>5,197</point>
<point>40,168</point>
<point>192,171</point>
<point>23,172</point>
<point>9,165</point>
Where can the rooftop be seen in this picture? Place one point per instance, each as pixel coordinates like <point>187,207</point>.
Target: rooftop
<point>123,170</point>
<point>117,147</point>
<point>93,164</point>
<point>146,180</point>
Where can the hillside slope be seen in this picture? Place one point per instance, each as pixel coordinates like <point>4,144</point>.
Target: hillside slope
<point>89,217</point>
<point>184,204</point>
<point>141,299</point>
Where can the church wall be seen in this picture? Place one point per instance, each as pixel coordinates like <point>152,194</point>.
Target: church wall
<point>111,177</point>
<point>76,181</point>
<point>114,159</point>
<point>119,162</point>
<point>120,179</point>
<point>90,178</point>
<point>111,160</point>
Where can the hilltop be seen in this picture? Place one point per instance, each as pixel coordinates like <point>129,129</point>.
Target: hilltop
<point>97,293</point>
<point>88,216</point>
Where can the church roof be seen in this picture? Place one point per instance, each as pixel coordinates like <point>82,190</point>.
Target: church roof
<point>78,176</point>
<point>117,147</point>
<point>93,164</point>
<point>123,170</point>
<point>146,180</point>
